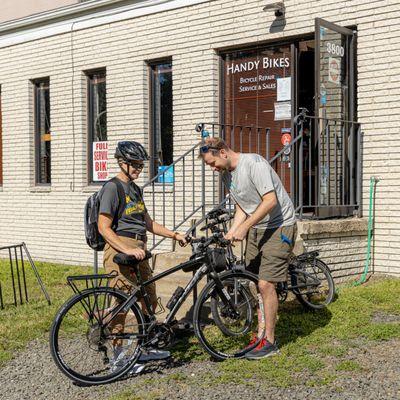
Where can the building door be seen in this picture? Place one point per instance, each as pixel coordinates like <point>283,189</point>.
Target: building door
<point>335,140</point>
<point>258,102</point>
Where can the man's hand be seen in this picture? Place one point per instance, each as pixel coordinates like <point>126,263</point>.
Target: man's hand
<point>138,253</point>
<point>240,233</point>
<point>229,236</point>
<point>181,239</point>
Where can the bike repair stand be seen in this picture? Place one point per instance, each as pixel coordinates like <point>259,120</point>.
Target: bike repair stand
<point>18,277</point>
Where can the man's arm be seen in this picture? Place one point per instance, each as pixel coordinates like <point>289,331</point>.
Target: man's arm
<point>105,228</point>
<point>238,219</point>
<point>267,204</point>
<point>161,230</point>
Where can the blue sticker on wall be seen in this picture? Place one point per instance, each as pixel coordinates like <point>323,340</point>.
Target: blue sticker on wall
<point>323,96</point>
<point>168,175</point>
<point>322,32</point>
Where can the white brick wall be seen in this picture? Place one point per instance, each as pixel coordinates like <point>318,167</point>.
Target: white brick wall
<point>50,222</point>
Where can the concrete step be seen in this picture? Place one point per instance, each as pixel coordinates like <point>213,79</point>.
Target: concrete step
<point>166,286</point>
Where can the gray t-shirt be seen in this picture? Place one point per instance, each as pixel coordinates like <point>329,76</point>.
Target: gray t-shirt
<point>253,178</point>
<point>132,219</point>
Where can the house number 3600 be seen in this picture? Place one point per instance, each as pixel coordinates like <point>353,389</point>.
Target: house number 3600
<point>335,49</point>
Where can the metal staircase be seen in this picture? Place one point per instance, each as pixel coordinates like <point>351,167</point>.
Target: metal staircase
<point>320,168</point>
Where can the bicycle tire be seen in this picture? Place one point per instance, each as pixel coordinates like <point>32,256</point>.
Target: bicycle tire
<point>310,298</point>
<point>244,295</point>
<point>223,337</point>
<point>61,316</point>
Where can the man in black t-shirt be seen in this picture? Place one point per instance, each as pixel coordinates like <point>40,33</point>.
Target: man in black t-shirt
<point>129,236</point>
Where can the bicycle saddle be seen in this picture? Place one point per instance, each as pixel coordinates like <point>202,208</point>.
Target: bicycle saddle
<point>308,255</point>
<point>127,260</point>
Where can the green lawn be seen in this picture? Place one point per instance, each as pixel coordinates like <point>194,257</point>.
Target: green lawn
<point>313,345</point>
<point>19,325</point>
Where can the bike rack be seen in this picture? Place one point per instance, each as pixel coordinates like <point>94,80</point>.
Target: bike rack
<point>18,277</point>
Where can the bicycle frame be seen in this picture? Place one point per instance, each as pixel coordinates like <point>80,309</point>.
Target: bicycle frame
<point>204,265</point>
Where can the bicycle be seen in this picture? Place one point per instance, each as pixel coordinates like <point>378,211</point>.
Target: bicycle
<point>99,320</point>
<point>309,278</point>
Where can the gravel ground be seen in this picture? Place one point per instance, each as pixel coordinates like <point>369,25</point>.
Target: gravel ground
<point>32,375</point>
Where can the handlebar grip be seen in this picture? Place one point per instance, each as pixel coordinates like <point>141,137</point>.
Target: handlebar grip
<point>225,242</point>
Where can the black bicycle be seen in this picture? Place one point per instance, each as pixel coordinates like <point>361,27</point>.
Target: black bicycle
<point>98,335</point>
<point>309,278</point>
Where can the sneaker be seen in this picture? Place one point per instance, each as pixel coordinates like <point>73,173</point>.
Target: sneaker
<point>154,355</point>
<point>119,357</point>
<point>136,369</point>
<point>253,341</point>
<point>263,350</point>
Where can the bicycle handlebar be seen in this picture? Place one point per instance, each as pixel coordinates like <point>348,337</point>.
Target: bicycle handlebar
<point>204,242</point>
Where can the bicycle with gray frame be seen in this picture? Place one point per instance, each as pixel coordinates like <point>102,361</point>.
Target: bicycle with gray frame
<point>98,318</point>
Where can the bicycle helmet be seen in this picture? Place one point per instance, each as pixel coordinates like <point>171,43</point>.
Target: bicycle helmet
<point>129,151</point>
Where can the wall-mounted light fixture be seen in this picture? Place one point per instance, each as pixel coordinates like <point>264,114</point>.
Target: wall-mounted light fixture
<point>278,7</point>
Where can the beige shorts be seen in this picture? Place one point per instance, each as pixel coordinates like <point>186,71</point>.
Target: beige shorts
<point>126,279</point>
<point>268,251</point>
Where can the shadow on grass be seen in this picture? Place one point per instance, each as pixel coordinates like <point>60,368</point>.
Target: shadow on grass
<point>296,322</point>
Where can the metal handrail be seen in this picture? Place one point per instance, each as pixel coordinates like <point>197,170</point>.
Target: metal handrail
<point>174,203</point>
<point>156,177</point>
<point>326,181</point>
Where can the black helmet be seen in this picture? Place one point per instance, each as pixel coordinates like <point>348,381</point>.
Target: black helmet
<point>129,151</point>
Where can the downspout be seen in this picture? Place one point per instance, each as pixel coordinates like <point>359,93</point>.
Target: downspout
<point>372,183</point>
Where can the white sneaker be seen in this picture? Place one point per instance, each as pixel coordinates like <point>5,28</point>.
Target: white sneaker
<point>136,369</point>
<point>119,358</point>
<point>154,355</point>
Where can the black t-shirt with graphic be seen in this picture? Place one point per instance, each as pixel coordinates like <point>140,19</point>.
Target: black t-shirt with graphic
<point>132,219</point>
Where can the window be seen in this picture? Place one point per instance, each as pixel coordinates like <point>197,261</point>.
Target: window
<point>161,140</point>
<point>97,123</point>
<point>42,131</point>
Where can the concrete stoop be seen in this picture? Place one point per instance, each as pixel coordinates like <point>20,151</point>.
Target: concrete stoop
<point>166,286</point>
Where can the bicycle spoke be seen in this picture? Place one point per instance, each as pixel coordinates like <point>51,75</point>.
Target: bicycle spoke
<point>225,327</point>
<point>107,348</point>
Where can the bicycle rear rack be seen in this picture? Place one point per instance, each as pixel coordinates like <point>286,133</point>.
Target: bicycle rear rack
<point>18,276</point>
<point>90,282</point>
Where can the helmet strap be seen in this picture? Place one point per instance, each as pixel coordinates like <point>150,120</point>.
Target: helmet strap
<point>126,173</point>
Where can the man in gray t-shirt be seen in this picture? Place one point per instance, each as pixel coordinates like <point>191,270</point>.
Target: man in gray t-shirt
<point>264,214</point>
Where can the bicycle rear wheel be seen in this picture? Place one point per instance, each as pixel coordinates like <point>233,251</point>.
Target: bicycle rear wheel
<point>91,347</point>
<point>312,284</point>
<point>225,328</point>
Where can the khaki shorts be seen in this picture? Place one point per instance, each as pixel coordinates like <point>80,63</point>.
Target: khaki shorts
<point>126,279</point>
<point>268,251</point>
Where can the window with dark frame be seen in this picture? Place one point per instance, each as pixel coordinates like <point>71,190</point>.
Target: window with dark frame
<point>97,114</point>
<point>42,131</point>
<point>161,134</point>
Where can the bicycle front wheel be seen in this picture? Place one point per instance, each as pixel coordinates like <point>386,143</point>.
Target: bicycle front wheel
<point>90,343</point>
<point>312,283</point>
<point>225,314</point>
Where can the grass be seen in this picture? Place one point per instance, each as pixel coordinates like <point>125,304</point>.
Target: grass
<point>21,324</point>
<point>314,345</point>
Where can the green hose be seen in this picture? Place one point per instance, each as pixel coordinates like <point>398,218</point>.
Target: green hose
<point>372,182</point>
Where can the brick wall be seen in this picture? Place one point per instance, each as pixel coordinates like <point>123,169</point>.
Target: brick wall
<point>50,220</point>
<point>342,244</point>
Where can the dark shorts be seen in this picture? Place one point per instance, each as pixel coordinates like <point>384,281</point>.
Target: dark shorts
<point>268,251</point>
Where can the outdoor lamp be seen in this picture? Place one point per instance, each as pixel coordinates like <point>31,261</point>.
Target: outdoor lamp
<point>278,7</point>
